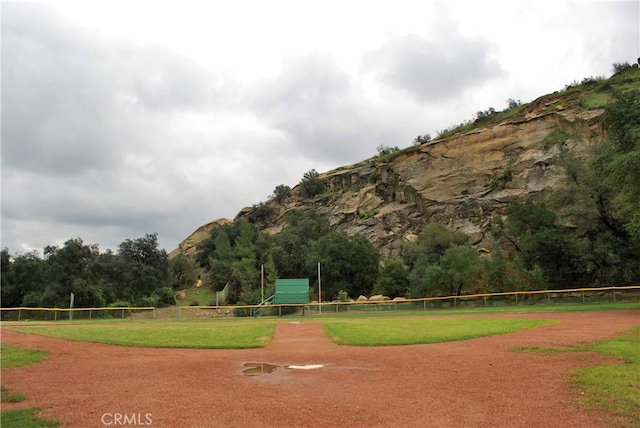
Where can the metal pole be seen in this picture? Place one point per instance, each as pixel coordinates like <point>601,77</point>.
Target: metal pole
<point>262,281</point>
<point>319,291</point>
<point>71,306</point>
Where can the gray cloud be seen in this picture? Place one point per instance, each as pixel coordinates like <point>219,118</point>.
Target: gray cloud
<point>434,66</point>
<point>325,112</point>
<point>89,126</point>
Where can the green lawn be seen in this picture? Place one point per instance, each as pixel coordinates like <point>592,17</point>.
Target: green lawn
<point>17,356</point>
<point>387,310</point>
<point>161,334</point>
<point>25,418</point>
<point>377,332</point>
<point>614,388</point>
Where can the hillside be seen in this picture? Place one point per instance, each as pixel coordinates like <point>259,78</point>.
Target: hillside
<point>461,180</point>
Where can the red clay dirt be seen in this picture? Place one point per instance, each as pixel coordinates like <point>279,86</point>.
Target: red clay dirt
<point>473,383</point>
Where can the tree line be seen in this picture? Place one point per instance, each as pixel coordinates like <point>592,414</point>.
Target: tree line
<point>137,274</point>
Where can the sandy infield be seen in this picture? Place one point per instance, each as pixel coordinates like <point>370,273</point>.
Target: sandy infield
<point>473,383</point>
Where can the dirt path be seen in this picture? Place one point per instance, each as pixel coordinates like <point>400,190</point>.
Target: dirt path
<point>475,383</point>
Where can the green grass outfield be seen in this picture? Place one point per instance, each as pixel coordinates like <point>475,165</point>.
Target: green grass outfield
<point>239,333</point>
<point>380,332</point>
<point>208,334</point>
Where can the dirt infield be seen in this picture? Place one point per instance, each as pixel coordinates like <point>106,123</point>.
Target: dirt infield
<point>473,383</point>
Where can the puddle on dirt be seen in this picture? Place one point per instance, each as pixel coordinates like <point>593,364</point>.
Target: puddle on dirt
<point>254,369</point>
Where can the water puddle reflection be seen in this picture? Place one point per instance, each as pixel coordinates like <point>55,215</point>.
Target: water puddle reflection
<point>254,369</point>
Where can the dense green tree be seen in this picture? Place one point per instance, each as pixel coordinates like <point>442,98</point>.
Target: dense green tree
<point>260,213</point>
<point>143,268</point>
<point>534,234</point>
<point>620,163</point>
<point>311,184</point>
<point>505,272</point>
<point>393,278</point>
<point>347,264</point>
<point>458,268</point>
<point>281,193</point>
<point>183,272</point>
<point>292,245</point>
<point>22,274</point>
<point>432,242</point>
<point>431,245</point>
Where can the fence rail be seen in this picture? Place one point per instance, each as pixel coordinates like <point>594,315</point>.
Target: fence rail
<point>513,298</point>
<point>56,314</point>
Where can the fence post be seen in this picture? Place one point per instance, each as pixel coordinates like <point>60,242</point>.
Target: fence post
<point>19,314</point>
<point>89,313</point>
<point>614,296</point>
<point>516,299</point>
<point>583,297</point>
<point>122,313</point>
<point>154,313</point>
<point>548,297</point>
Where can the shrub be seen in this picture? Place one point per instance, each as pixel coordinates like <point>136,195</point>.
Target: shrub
<point>386,150</point>
<point>281,193</point>
<point>619,67</point>
<point>422,139</point>
<point>311,184</point>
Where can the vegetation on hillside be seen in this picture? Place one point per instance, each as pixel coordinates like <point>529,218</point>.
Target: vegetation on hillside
<point>586,234</point>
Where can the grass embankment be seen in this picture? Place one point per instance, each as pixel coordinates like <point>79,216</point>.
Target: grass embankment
<point>420,331</point>
<point>15,356</point>
<point>160,334</point>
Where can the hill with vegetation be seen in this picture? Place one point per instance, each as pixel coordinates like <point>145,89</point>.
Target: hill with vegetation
<point>542,195</point>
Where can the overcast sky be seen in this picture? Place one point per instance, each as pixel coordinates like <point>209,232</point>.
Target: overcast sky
<point>121,118</point>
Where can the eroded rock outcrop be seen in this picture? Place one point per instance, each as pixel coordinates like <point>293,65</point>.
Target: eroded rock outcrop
<point>461,181</point>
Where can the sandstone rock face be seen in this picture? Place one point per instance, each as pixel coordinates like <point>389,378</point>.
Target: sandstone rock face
<point>188,246</point>
<point>462,181</point>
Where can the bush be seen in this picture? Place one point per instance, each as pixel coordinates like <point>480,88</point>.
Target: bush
<point>281,193</point>
<point>311,184</point>
<point>619,67</point>
<point>386,150</point>
<point>422,139</point>
<point>165,296</point>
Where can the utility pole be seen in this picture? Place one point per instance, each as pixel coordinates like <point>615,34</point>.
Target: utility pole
<point>319,291</point>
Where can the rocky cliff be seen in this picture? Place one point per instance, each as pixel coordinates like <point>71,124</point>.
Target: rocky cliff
<point>462,181</point>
